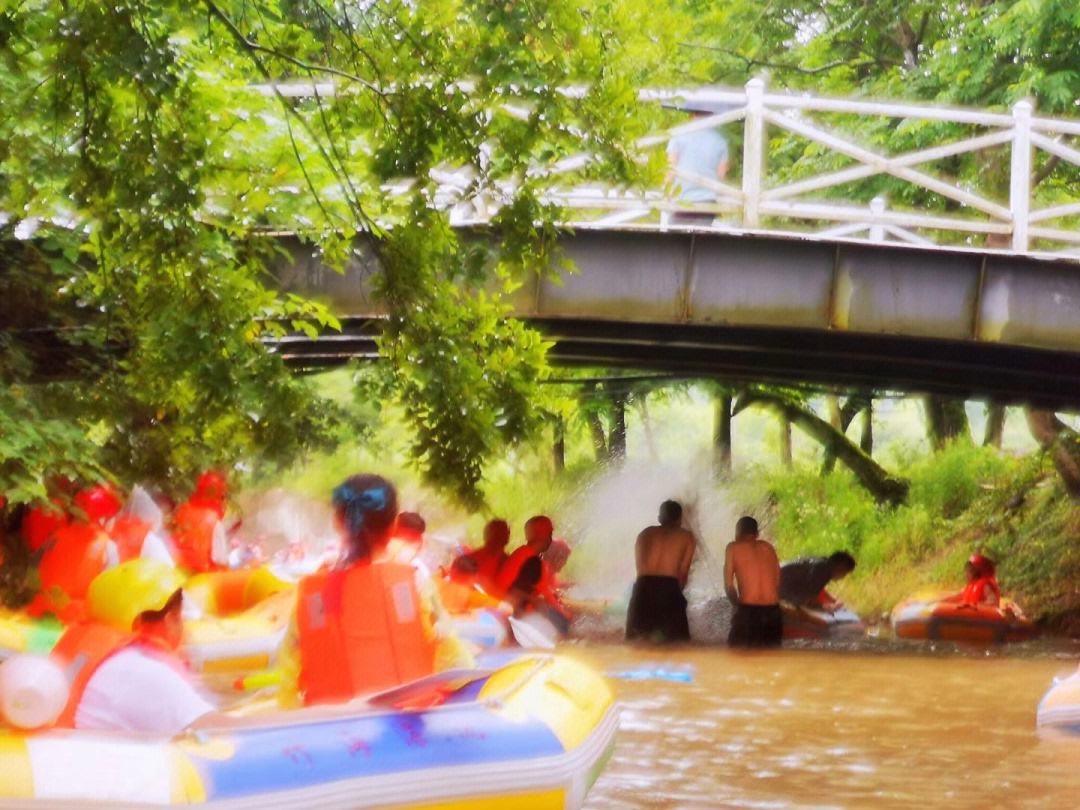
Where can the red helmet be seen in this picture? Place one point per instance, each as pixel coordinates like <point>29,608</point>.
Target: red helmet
<point>212,485</point>
<point>983,566</point>
<point>99,502</point>
<point>410,527</point>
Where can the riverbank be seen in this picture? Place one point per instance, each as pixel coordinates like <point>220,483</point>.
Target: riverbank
<point>963,499</point>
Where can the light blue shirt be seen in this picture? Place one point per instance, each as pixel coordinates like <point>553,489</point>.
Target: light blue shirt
<point>699,153</point>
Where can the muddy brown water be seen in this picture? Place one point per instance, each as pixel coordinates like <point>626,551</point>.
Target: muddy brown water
<point>852,728</point>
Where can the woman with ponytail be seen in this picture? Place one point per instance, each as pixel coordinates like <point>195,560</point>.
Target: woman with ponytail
<point>362,626</point>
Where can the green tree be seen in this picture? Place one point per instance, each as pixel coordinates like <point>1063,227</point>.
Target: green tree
<point>990,53</point>
<point>155,141</point>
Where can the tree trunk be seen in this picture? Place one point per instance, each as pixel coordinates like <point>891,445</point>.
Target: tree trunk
<point>841,419</point>
<point>946,419</point>
<point>617,435</point>
<point>599,439</point>
<point>558,446</point>
<point>884,486</point>
<point>785,439</point>
<point>646,425</point>
<point>1063,444</point>
<point>832,403</point>
<point>722,435</point>
<point>866,441</point>
<point>995,425</point>
<point>596,427</point>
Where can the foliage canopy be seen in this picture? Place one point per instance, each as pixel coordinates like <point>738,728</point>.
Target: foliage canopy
<point>151,143</point>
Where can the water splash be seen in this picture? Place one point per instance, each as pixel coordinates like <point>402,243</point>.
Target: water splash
<point>283,523</point>
<point>607,515</point>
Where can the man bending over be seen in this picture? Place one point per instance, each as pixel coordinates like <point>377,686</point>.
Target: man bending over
<point>752,581</point>
<point>663,553</point>
<point>803,582</point>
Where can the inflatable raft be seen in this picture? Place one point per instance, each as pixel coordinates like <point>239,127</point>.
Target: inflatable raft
<point>239,643</point>
<point>21,633</point>
<point>533,734</point>
<point>244,616</point>
<point>928,617</point>
<point>806,623</point>
<point>484,628</point>
<point>1059,710</point>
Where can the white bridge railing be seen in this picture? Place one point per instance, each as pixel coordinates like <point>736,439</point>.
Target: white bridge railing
<point>956,213</point>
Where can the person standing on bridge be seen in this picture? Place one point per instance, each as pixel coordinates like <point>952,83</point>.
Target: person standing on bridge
<point>752,583</point>
<point>663,554</point>
<point>694,157</point>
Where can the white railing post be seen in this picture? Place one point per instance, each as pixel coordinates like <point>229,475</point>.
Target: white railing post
<point>753,151</point>
<point>877,228</point>
<point>1020,175</point>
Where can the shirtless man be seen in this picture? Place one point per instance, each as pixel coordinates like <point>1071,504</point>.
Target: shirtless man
<point>657,606</point>
<point>752,583</point>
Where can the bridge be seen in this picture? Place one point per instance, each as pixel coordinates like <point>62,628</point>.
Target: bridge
<point>753,307</point>
<point>967,295</point>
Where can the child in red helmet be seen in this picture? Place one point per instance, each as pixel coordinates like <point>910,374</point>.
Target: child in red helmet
<point>198,525</point>
<point>982,586</point>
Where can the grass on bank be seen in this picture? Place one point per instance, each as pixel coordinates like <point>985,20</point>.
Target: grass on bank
<point>963,499</point>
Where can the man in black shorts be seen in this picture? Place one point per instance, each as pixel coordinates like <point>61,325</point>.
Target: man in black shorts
<point>663,555</point>
<point>752,581</point>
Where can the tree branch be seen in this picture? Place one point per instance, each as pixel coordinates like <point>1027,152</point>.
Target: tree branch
<point>754,62</point>
<point>238,35</point>
<point>879,482</point>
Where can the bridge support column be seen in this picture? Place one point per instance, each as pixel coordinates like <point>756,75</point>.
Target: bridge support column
<point>753,151</point>
<point>1020,175</point>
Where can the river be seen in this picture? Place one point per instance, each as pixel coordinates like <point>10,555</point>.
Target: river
<point>868,727</point>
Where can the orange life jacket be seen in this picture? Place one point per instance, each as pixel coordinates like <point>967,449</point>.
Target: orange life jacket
<point>80,651</point>
<point>361,631</point>
<point>194,523</point>
<point>459,597</point>
<point>976,590</point>
<point>129,533</point>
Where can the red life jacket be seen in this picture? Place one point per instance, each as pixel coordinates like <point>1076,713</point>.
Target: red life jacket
<point>194,523</point>
<point>361,631</point>
<point>80,651</point>
<point>488,562</point>
<point>508,572</point>
<point>79,553</point>
<point>129,534</point>
<point>40,523</point>
<point>975,592</point>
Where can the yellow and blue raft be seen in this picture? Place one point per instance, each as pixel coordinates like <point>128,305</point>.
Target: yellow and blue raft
<point>534,733</point>
<point>1059,710</point>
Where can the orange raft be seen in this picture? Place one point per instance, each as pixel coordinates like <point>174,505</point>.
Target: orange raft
<point>928,617</point>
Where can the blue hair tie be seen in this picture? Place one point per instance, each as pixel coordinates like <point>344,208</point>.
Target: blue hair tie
<point>356,505</point>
